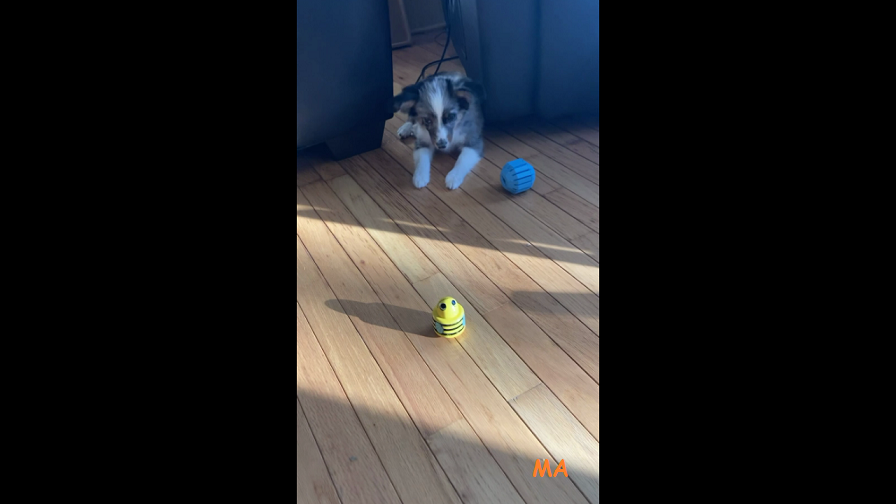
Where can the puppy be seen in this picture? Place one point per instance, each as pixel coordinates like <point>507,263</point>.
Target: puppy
<point>445,113</point>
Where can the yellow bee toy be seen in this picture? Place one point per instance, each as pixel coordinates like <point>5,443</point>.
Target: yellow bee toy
<point>448,318</point>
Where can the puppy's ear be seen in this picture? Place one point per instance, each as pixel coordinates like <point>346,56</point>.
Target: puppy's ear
<point>467,91</point>
<point>407,99</point>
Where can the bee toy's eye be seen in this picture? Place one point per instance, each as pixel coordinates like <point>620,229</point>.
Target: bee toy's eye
<point>443,306</point>
<point>453,302</point>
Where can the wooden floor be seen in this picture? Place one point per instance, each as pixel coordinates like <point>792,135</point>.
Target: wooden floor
<point>388,413</point>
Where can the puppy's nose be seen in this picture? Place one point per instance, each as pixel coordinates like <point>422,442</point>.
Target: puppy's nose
<point>442,143</point>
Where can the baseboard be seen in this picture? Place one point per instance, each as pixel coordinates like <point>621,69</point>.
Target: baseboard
<point>425,29</point>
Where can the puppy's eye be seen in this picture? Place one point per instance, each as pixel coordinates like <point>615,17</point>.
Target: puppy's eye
<point>427,122</point>
<point>450,117</point>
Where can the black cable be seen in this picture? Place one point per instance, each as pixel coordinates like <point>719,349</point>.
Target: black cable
<point>444,50</point>
<point>440,60</point>
<point>433,63</point>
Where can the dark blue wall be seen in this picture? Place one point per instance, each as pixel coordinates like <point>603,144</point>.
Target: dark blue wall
<point>569,58</point>
<point>532,56</point>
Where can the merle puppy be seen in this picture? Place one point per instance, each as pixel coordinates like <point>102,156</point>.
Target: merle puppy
<point>445,113</point>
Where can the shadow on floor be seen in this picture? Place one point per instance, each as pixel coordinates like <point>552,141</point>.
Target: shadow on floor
<point>376,314</point>
<point>366,450</point>
<point>460,235</point>
<point>397,187</point>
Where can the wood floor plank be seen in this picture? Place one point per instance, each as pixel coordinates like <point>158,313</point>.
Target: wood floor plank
<point>432,42</point>
<point>468,224</point>
<point>425,400</point>
<point>481,292</point>
<point>455,229</point>
<point>562,326</point>
<point>417,57</point>
<point>501,364</point>
<point>478,478</point>
<point>486,354</point>
<point>566,139</point>
<point>590,244</point>
<point>571,443</point>
<point>313,483</point>
<point>548,361</point>
<point>577,128</point>
<point>468,461</point>
<point>505,377</point>
<point>403,73</point>
<point>412,263</point>
<point>413,470</point>
<point>357,472</point>
<point>558,153</point>
<point>509,440</point>
<point>575,388</point>
<point>507,226</point>
<point>511,443</point>
<point>325,167</point>
<point>409,61</point>
<point>585,212</point>
<point>305,173</point>
<point>484,185</point>
<point>554,217</point>
<point>569,179</point>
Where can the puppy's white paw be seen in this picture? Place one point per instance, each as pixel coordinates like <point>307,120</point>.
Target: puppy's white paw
<point>421,178</point>
<point>454,179</point>
<point>406,130</point>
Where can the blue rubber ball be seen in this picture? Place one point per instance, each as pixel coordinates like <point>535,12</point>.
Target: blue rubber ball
<point>517,176</point>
